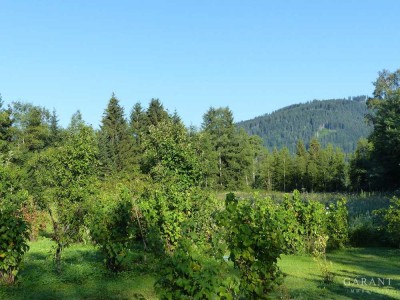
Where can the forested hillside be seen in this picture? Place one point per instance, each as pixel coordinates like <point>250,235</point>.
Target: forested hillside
<point>339,122</point>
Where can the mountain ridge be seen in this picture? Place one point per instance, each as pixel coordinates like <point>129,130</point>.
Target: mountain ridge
<point>340,122</point>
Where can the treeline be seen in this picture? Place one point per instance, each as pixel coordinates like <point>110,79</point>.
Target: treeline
<point>220,155</point>
<point>339,122</point>
<point>224,157</point>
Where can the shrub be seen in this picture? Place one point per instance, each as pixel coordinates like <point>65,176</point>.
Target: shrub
<point>256,238</point>
<point>364,231</point>
<point>191,273</point>
<point>113,227</point>
<point>35,217</point>
<point>319,253</point>
<point>392,217</point>
<point>337,224</point>
<point>14,234</point>
<point>311,219</point>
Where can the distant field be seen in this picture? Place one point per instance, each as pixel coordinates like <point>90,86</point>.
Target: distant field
<point>357,203</point>
<point>84,276</point>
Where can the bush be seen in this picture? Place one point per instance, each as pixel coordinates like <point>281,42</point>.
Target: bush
<point>191,273</point>
<point>256,232</point>
<point>364,231</point>
<point>315,220</point>
<point>392,217</point>
<point>14,234</point>
<point>311,220</point>
<point>114,228</point>
<point>337,224</point>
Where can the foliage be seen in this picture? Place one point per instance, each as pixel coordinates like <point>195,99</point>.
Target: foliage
<point>114,227</point>
<point>360,166</point>
<point>169,154</point>
<point>315,220</point>
<point>319,255</point>
<point>255,238</point>
<point>392,217</point>
<point>35,217</point>
<point>6,123</point>
<point>65,178</point>
<point>366,230</point>
<point>386,140</point>
<point>383,169</point>
<point>115,142</point>
<point>14,229</point>
<point>192,274</point>
<point>337,224</point>
<point>31,126</point>
<point>165,209</point>
<point>14,234</point>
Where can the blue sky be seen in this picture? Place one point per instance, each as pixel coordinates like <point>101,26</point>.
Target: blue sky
<point>253,56</point>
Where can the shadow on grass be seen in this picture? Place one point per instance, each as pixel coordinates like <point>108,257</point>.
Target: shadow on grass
<point>334,291</point>
<point>83,276</point>
<point>375,262</point>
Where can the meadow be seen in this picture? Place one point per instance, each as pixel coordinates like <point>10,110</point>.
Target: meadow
<point>84,276</point>
<point>358,272</point>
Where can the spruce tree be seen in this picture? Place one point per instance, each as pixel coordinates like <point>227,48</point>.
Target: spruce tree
<point>156,113</point>
<point>300,171</point>
<point>55,130</point>
<point>115,142</point>
<point>137,123</point>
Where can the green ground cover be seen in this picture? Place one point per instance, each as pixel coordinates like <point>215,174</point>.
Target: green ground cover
<point>84,276</point>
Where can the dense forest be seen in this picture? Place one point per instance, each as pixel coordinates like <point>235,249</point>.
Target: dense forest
<point>143,182</point>
<point>340,122</point>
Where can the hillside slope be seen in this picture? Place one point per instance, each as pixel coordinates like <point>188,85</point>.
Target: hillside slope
<point>339,122</point>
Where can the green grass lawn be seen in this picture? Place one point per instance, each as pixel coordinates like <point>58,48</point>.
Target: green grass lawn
<point>84,276</point>
<point>304,281</point>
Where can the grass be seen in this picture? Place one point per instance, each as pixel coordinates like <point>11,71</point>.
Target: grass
<point>84,276</point>
<point>376,265</point>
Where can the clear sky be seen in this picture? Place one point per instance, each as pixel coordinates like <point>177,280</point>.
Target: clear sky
<point>253,56</point>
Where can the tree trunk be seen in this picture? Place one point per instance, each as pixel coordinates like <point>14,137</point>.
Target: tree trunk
<point>58,258</point>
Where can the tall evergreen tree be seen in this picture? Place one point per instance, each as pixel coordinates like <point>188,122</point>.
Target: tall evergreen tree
<point>55,130</point>
<point>300,161</point>
<point>138,123</point>
<point>156,113</point>
<point>115,142</point>
<point>312,166</point>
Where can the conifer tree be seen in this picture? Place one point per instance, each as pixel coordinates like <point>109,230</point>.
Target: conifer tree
<point>137,123</point>
<point>156,113</point>
<point>312,166</point>
<point>55,130</point>
<point>115,142</point>
<point>300,171</point>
